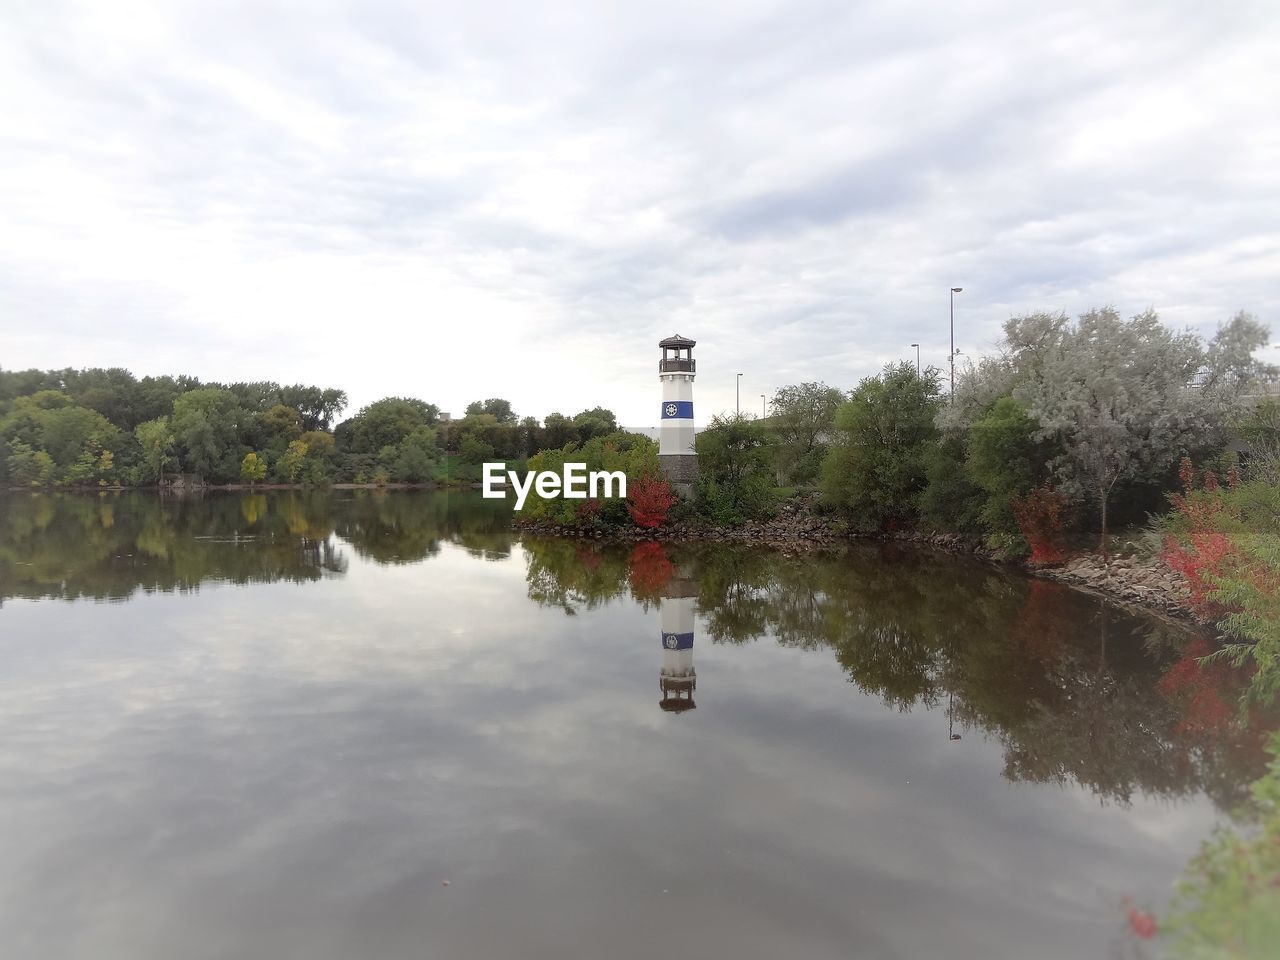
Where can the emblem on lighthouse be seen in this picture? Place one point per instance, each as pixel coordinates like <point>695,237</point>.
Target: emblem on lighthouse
<point>671,641</point>
<point>671,409</point>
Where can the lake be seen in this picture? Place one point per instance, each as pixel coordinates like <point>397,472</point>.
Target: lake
<point>379,725</point>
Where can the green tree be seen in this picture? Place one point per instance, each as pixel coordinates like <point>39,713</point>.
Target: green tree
<point>1005,460</point>
<point>596,422</point>
<point>417,458</point>
<point>383,423</point>
<point>71,433</point>
<point>874,472</point>
<point>252,468</point>
<point>1260,431</point>
<point>156,440</point>
<point>735,466</point>
<point>309,459</point>
<point>496,407</point>
<point>803,414</point>
<point>315,406</point>
<point>205,426</point>
<point>28,467</point>
<point>557,431</point>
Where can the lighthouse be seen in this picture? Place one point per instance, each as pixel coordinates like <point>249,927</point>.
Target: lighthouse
<point>676,456</point>
<point>677,679</point>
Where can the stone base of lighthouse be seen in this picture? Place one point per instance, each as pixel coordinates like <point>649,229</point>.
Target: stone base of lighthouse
<point>681,471</point>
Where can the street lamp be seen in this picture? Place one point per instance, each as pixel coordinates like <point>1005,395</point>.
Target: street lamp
<point>737,394</point>
<point>954,291</point>
<point>917,346</point>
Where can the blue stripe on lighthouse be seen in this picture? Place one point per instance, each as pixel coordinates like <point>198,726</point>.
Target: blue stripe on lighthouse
<point>677,641</point>
<point>677,410</point>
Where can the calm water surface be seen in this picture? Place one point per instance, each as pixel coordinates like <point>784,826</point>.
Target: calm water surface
<point>276,725</point>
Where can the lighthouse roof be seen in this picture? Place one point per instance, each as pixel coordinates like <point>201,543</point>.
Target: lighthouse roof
<point>677,341</point>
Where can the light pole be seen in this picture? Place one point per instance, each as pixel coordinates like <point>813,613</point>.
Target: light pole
<point>737,394</point>
<point>954,291</point>
<point>917,346</point>
<point>762,413</point>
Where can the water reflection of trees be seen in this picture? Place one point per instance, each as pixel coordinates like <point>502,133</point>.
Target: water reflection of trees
<point>400,527</point>
<point>1075,690</point>
<point>111,545</point>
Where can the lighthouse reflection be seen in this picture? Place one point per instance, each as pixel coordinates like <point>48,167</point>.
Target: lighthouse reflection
<point>677,678</point>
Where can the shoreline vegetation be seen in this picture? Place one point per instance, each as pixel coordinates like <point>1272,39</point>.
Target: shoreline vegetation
<point>1039,453</point>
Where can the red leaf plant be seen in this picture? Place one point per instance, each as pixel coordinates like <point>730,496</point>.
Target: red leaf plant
<point>1040,516</point>
<point>649,501</point>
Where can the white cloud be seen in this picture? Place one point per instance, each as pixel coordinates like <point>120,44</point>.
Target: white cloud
<point>519,201</point>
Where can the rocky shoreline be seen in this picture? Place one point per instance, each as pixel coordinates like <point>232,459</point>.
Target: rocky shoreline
<point>1145,584</point>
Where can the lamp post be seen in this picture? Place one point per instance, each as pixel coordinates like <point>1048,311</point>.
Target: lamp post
<point>954,291</point>
<point>917,346</point>
<point>737,394</point>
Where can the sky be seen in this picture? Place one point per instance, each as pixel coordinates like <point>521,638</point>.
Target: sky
<point>460,201</point>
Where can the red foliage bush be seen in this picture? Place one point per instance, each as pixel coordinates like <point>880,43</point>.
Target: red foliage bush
<point>587,511</point>
<point>1040,516</point>
<point>649,501</point>
<point>1201,562</point>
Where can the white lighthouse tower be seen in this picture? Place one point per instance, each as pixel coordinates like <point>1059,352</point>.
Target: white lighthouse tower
<point>676,456</point>
<point>677,679</point>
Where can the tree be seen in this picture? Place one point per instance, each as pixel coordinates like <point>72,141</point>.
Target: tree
<point>530,436</point>
<point>252,468</point>
<point>156,440</point>
<point>496,407</point>
<point>383,423</point>
<point>557,431</point>
<point>734,469</point>
<point>803,414</point>
<point>1006,460</point>
<point>417,457</point>
<point>1260,430</point>
<point>70,433</point>
<point>308,459</point>
<point>875,470</point>
<point>1120,398</point>
<point>206,426</point>
<point>316,407</point>
<point>28,467</point>
<point>596,422</point>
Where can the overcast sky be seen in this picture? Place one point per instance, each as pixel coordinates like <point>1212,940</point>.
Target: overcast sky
<point>519,200</point>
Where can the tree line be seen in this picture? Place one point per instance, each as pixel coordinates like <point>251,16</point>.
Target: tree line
<point>1069,425</point>
<point>100,427</point>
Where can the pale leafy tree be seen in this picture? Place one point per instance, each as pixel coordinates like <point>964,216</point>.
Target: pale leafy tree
<point>1027,342</point>
<point>1125,399</point>
<point>156,440</point>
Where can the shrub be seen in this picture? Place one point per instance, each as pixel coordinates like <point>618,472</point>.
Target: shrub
<point>1040,516</point>
<point>649,500</point>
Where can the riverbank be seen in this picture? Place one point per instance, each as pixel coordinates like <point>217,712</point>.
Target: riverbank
<point>1144,584</point>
